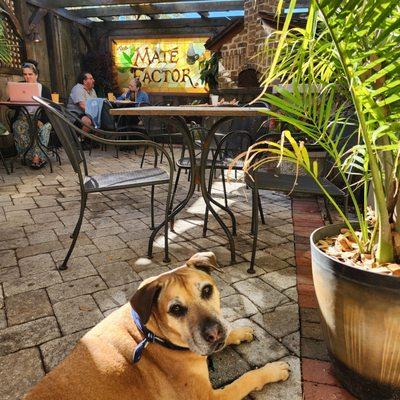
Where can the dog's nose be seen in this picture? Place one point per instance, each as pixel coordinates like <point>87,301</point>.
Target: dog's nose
<point>212,331</point>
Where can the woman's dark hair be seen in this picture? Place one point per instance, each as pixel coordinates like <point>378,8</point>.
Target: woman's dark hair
<point>31,64</point>
<point>82,77</point>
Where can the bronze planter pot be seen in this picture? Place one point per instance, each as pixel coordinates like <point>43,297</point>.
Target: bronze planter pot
<point>360,318</point>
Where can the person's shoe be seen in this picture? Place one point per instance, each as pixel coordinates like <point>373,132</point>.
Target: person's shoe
<point>39,164</point>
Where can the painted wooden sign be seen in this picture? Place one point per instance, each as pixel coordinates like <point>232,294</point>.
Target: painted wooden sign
<point>162,65</point>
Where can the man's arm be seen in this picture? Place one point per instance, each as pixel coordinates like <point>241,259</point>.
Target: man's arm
<point>78,97</point>
<point>82,104</point>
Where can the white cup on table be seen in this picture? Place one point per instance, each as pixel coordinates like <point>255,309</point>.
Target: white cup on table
<point>214,99</point>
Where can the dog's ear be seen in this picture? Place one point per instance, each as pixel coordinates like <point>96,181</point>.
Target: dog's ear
<point>144,299</point>
<point>205,261</point>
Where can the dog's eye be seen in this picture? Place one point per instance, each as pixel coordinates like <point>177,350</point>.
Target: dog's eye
<point>206,292</point>
<point>177,310</point>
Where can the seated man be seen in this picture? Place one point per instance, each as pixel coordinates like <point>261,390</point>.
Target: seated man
<point>80,93</point>
<point>135,92</point>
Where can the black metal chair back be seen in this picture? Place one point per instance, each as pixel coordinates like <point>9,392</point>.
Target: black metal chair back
<point>58,117</point>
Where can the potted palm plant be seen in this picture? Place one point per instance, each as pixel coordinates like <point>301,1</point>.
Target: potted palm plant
<point>345,65</point>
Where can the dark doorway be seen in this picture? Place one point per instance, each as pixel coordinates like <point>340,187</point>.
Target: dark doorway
<point>248,78</point>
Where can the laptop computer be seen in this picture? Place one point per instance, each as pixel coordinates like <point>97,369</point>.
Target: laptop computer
<point>23,92</point>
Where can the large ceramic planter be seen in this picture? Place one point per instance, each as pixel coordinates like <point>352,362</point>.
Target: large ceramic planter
<point>360,317</point>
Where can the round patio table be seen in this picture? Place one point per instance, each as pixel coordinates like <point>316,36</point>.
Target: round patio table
<point>33,129</point>
<point>224,114</point>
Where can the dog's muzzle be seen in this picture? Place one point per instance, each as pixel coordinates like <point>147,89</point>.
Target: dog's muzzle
<point>214,333</point>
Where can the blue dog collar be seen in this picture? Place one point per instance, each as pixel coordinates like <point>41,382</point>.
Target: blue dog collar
<point>149,337</point>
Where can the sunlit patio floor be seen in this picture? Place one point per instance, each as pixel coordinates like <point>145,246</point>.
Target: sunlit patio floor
<point>43,311</point>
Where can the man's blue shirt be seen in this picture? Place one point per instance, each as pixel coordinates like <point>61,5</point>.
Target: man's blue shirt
<point>141,97</point>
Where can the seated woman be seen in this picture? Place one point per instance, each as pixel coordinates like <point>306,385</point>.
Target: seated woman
<point>135,92</point>
<point>20,124</point>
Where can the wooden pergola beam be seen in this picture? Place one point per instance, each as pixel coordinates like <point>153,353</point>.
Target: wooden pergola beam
<point>158,33</point>
<point>79,3</point>
<point>192,23</point>
<point>151,9</point>
<point>48,5</point>
<point>35,18</point>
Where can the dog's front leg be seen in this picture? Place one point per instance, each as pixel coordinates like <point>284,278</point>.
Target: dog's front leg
<point>239,335</point>
<point>253,380</point>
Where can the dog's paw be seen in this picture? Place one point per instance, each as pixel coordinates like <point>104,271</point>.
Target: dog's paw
<point>272,372</point>
<point>241,334</point>
<point>277,371</point>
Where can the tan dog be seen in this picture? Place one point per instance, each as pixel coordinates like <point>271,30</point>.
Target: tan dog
<point>181,306</point>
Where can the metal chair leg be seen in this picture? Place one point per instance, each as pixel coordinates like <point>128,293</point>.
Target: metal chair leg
<point>162,154</point>
<point>205,224</point>
<point>143,156</point>
<point>58,158</point>
<point>261,210</point>
<point>255,231</point>
<point>64,266</point>
<point>173,195</point>
<point>171,148</point>
<point>167,213</point>
<point>152,208</point>
<point>224,187</point>
<point>4,163</point>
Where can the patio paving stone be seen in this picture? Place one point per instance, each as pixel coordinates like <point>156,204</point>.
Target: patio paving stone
<point>261,294</point>
<point>3,319</point>
<point>75,288</point>
<point>237,306</point>
<point>78,267</point>
<point>281,279</point>
<point>264,348</point>
<point>18,372</point>
<point>29,334</point>
<point>228,366</point>
<point>54,351</point>
<point>77,314</point>
<point>9,274</point>
<point>36,264</point>
<point>79,251</point>
<point>27,283</point>
<point>110,256</point>
<point>282,321</point>
<point>7,258</point>
<point>116,296</point>
<point>118,273</point>
<point>292,342</point>
<point>28,306</point>
<point>36,249</point>
<point>13,243</point>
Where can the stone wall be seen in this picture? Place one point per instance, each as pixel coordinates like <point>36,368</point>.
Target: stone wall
<point>245,50</point>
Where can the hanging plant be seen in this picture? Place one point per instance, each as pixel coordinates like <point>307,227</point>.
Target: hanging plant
<point>5,48</point>
<point>209,70</point>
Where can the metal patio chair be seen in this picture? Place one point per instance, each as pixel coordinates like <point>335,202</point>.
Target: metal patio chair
<point>298,185</point>
<point>112,129</point>
<point>67,133</point>
<point>223,155</point>
<point>157,131</point>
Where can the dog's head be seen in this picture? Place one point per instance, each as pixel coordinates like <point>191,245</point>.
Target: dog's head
<point>183,305</point>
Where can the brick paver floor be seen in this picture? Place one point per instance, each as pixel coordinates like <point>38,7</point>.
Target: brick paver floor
<point>318,380</point>
<point>43,311</point>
